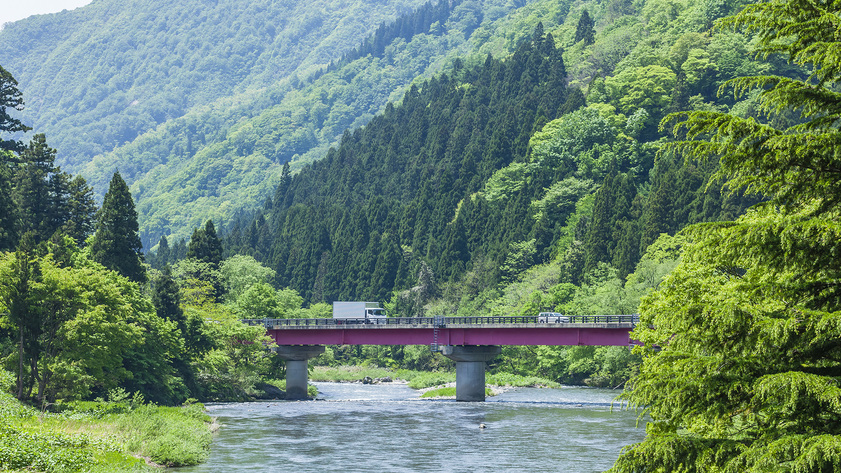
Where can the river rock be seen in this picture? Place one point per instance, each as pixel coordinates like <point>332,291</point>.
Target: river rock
<point>270,392</point>
<point>367,380</point>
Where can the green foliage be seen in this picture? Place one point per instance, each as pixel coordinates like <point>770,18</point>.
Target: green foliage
<point>239,356</point>
<point>429,379</point>
<point>440,392</point>
<point>116,244</point>
<point>205,245</point>
<point>240,272</point>
<point>80,324</point>
<point>262,301</point>
<point>747,372</point>
<point>100,436</point>
<point>10,98</point>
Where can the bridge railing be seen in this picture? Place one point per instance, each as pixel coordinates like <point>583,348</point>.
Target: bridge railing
<point>569,319</point>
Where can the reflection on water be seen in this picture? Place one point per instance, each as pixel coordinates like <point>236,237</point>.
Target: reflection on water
<point>360,428</point>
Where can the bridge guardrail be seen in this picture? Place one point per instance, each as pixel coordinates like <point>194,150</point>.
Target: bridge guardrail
<point>324,323</point>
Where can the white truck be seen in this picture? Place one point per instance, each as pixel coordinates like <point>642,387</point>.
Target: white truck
<point>359,312</point>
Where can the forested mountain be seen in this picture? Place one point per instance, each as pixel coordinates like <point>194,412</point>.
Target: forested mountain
<point>497,166</point>
<point>199,111</point>
<point>97,78</point>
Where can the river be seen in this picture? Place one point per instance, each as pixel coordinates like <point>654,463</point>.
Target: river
<point>386,428</point>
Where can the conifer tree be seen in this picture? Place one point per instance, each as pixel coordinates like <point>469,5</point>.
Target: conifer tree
<point>8,209</point>
<point>598,241</point>
<point>743,365</point>
<point>167,299</point>
<point>585,30</point>
<point>282,187</point>
<point>205,245</point>
<point>10,98</point>
<point>162,256</point>
<point>116,244</point>
<point>81,210</point>
<point>39,203</point>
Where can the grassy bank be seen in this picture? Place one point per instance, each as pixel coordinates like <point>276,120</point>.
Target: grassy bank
<point>422,379</point>
<point>101,437</point>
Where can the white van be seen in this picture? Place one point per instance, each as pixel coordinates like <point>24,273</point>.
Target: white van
<point>552,318</point>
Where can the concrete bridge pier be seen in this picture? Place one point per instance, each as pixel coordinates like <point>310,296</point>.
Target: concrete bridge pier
<point>296,357</point>
<point>470,369</point>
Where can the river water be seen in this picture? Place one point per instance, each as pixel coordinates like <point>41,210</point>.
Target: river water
<point>386,428</point>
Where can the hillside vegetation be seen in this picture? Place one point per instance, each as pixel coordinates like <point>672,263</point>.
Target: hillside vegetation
<point>497,166</point>
<point>98,78</point>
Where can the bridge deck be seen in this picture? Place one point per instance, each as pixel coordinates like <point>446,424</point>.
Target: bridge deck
<point>580,330</point>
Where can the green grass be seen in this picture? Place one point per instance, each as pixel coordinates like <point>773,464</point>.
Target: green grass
<point>101,437</point>
<point>440,392</point>
<point>508,379</point>
<point>170,436</point>
<point>424,379</point>
<point>416,379</point>
<point>420,379</point>
<point>348,373</point>
<point>448,392</point>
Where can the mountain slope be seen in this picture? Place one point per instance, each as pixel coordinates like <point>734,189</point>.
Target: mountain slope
<point>96,77</point>
<point>177,162</point>
<point>475,178</point>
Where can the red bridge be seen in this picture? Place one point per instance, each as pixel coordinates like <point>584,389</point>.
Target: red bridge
<point>470,341</point>
<point>602,330</point>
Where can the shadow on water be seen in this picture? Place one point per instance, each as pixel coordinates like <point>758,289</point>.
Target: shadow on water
<point>359,428</point>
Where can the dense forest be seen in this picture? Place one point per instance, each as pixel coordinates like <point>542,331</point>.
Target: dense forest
<point>82,314</point>
<point>199,112</point>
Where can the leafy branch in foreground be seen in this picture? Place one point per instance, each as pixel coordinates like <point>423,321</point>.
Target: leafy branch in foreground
<point>743,359</point>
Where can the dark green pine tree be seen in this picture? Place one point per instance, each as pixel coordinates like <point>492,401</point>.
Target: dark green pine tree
<point>39,206</point>
<point>10,98</point>
<point>22,314</point>
<point>680,94</point>
<point>162,256</point>
<point>167,299</point>
<point>81,210</point>
<point>205,245</point>
<point>658,215</point>
<point>282,187</point>
<point>116,243</point>
<point>8,210</point>
<point>585,30</point>
<point>598,241</point>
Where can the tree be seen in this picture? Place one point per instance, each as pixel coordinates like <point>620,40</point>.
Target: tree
<point>745,375</point>
<point>205,245</point>
<point>81,211</point>
<point>585,30</point>
<point>240,273</point>
<point>17,297</point>
<point>116,244</point>
<point>40,190</point>
<point>10,98</point>
<point>8,208</point>
<point>75,325</point>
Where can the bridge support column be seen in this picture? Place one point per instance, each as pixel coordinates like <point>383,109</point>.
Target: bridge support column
<point>470,369</point>
<point>296,357</point>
